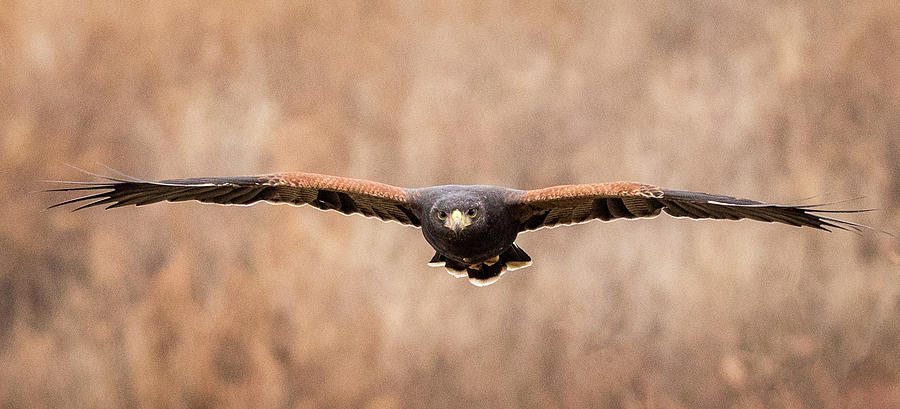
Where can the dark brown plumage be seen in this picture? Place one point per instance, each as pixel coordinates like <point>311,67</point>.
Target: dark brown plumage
<point>472,228</point>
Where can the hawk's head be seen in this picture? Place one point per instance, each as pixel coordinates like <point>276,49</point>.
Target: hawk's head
<point>465,213</point>
<point>456,220</point>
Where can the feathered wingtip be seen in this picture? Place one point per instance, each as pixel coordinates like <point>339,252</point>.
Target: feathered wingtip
<point>697,205</point>
<point>108,183</point>
<point>827,221</point>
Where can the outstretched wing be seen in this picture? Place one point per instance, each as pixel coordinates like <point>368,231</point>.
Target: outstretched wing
<point>568,204</point>
<point>346,195</point>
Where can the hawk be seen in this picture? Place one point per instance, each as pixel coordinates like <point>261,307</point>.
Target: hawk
<point>472,228</point>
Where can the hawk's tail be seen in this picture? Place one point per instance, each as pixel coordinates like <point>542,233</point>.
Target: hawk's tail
<point>487,272</point>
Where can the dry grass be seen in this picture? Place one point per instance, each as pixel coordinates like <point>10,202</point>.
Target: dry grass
<point>194,305</point>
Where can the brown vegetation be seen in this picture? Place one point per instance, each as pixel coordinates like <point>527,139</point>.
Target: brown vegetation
<point>189,305</point>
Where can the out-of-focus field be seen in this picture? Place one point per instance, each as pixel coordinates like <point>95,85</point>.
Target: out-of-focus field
<point>190,305</point>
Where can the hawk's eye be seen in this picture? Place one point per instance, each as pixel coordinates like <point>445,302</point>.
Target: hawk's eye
<point>442,215</point>
<point>471,213</point>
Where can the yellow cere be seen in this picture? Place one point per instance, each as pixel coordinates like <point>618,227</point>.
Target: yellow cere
<point>457,220</point>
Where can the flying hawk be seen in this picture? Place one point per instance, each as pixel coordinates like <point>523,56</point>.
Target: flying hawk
<point>472,228</point>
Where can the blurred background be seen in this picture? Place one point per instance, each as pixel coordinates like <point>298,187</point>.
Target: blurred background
<point>190,305</point>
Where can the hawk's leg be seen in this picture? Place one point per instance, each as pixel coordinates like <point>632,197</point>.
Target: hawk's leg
<point>455,269</point>
<point>515,258</point>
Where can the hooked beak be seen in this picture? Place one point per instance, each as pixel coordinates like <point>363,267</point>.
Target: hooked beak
<point>457,221</point>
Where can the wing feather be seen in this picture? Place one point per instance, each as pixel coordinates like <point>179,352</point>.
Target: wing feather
<point>346,195</point>
<point>567,204</point>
